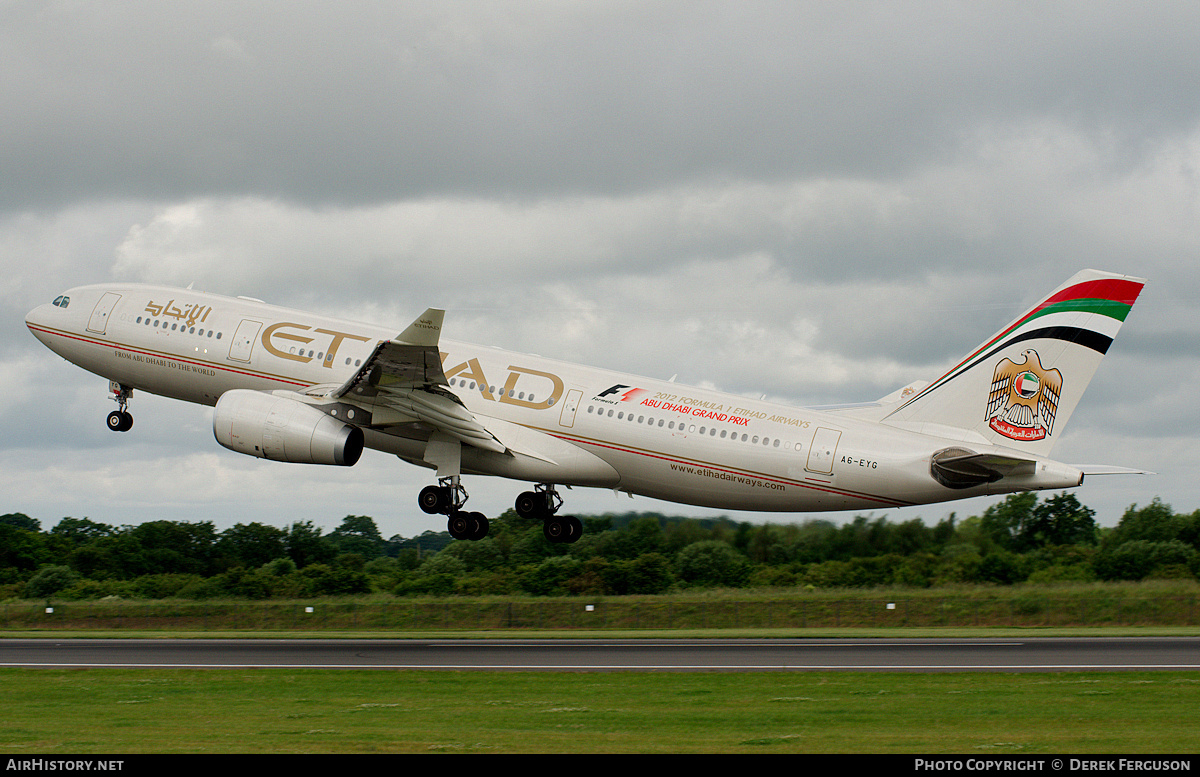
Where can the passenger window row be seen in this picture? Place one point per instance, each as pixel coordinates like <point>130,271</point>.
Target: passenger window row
<point>471,386</point>
<point>691,428</point>
<point>175,326</point>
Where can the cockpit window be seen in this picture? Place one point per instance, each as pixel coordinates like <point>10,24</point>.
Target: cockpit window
<point>62,302</point>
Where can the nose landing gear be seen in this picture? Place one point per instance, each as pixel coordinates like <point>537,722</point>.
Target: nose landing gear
<point>120,419</point>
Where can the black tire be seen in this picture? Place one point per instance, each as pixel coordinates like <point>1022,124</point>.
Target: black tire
<point>434,500</point>
<point>460,525</point>
<point>555,531</point>
<point>120,421</point>
<point>530,505</point>
<point>574,528</point>
<point>481,526</point>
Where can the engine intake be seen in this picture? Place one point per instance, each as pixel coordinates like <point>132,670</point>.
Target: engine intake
<point>282,429</point>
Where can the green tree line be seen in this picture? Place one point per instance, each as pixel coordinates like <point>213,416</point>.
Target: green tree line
<point>1022,538</point>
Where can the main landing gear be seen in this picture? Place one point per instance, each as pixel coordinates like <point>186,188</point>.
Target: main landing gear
<point>541,504</point>
<point>447,498</point>
<point>120,419</point>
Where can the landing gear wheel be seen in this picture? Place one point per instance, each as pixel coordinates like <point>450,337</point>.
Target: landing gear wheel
<point>562,530</point>
<point>481,526</point>
<point>467,526</point>
<point>576,527</point>
<point>459,526</point>
<point>530,505</point>
<point>447,498</point>
<point>120,421</point>
<point>540,503</point>
<point>434,500</point>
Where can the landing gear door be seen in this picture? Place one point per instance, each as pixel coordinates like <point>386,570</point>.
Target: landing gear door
<point>98,323</point>
<point>243,340</point>
<point>823,450</point>
<point>567,417</point>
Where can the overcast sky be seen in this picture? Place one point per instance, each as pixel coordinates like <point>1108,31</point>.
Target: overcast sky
<point>814,201</point>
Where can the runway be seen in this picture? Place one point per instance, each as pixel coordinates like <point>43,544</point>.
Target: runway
<point>714,655</point>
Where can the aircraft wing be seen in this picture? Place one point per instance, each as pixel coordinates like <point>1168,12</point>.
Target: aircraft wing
<point>405,375</point>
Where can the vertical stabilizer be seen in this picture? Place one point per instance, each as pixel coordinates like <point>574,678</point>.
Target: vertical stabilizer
<point>1020,386</point>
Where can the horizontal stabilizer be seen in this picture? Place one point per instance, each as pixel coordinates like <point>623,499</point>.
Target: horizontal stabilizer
<point>1104,469</point>
<point>874,411</point>
<point>904,393</point>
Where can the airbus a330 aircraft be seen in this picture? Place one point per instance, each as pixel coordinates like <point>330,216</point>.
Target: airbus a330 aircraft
<point>296,387</point>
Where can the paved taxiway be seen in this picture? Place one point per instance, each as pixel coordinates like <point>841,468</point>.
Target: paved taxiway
<point>926,655</point>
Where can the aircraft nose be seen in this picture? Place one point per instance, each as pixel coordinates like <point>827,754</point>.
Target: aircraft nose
<point>37,320</point>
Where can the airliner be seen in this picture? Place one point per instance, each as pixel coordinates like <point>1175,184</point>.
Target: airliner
<point>292,386</point>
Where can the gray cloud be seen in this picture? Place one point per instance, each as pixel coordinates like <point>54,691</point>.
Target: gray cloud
<point>381,101</point>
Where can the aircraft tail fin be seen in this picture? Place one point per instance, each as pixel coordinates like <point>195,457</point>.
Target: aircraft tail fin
<point>1019,387</point>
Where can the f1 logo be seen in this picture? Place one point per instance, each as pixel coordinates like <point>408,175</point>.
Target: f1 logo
<point>609,391</point>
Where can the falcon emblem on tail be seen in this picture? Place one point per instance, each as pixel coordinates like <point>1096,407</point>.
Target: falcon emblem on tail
<point>1023,398</point>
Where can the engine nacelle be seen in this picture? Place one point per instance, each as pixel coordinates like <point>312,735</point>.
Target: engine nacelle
<point>283,429</point>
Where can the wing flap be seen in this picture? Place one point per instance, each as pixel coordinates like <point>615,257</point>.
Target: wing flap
<point>444,412</point>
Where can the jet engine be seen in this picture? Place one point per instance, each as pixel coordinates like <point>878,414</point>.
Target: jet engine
<point>282,429</point>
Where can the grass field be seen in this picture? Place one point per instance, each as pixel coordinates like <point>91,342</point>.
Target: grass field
<point>1158,603</point>
<point>116,711</point>
<point>48,712</point>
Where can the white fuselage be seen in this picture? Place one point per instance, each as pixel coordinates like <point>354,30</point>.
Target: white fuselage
<point>655,438</point>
